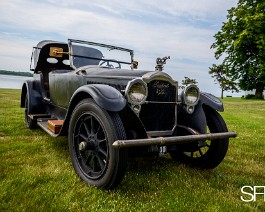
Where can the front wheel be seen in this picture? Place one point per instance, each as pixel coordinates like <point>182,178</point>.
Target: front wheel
<point>211,154</point>
<point>92,131</point>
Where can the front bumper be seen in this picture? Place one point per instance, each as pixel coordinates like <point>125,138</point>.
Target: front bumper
<point>163,141</point>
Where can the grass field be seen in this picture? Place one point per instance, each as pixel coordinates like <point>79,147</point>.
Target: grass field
<point>36,172</point>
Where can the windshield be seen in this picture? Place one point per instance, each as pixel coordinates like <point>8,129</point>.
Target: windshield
<point>84,53</point>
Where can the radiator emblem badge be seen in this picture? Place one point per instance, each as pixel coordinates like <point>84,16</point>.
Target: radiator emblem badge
<point>160,88</point>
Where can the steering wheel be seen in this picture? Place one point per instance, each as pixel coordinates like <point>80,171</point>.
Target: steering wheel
<point>108,63</point>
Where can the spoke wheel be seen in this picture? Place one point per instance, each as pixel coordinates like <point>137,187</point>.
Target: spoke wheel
<point>91,145</point>
<point>92,131</point>
<point>208,154</point>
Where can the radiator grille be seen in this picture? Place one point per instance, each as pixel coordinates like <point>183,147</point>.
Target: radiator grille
<point>161,91</point>
<point>159,112</point>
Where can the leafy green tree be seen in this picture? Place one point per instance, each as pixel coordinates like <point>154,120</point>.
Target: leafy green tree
<point>241,42</point>
<point>188,81</point>
<point>219,73</point>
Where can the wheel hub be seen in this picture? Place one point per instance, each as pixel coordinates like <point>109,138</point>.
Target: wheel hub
<point>90,143</point>
<point>83,146</point>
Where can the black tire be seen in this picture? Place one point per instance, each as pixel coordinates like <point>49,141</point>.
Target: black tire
<point>31,124</point>
<point>211,155</point>
<point>92,130</point>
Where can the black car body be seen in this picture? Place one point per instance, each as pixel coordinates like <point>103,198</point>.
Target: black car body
<point>109,110</point>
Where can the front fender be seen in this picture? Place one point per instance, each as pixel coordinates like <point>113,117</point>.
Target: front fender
<point>105,96</point>
<point>197,120</point>
<point>211,101</point>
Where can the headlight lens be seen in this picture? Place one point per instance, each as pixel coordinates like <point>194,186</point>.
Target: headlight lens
<point>191,95</point>
<point>136,92</point>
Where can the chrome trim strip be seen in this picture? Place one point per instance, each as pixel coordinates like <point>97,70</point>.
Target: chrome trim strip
<point>154,102</point>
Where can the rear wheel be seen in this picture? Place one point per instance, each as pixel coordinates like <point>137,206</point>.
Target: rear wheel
<point>209,155</point>
<point>92,131</point>
<point>31,124</point>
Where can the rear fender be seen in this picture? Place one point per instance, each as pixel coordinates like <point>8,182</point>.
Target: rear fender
<point>34,97</point>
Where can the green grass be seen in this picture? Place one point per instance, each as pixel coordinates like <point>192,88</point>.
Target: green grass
<point>36,172</point>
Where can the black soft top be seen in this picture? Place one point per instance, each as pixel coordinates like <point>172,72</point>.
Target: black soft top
<point>41,53</point>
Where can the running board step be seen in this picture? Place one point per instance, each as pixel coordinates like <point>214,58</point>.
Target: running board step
<point>55,125</point>
<point>37,116</point>
<point>52,127</point>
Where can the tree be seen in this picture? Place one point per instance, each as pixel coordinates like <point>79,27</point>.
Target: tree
<point>241,42</point>
<point>187,81</point>
<point>225,82</point>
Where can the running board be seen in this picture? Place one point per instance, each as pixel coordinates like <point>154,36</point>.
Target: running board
<point>44,126</point>
<point>52,127</point>
<point>162,141</point>
<point>37,116</point>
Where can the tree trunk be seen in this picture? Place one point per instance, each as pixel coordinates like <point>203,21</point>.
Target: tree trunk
<point>259,94</point>
<point>259,91</point>
<point>222,94</point>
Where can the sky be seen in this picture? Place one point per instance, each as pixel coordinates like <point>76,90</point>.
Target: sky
<point>181,29</point>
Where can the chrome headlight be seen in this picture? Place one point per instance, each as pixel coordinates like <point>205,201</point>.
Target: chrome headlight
<point>191,95</point>
<point>136,92</point>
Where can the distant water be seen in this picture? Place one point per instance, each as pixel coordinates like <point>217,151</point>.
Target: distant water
<point>10,81</point>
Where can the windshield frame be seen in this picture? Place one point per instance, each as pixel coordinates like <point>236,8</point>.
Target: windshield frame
<point>71,42</point>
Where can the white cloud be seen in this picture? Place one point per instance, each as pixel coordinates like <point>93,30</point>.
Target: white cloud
<point>15,52</point>
<point>203,9</point>
<point>183,29</point>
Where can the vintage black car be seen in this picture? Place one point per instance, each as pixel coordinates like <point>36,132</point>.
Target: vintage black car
<point>94,94</point>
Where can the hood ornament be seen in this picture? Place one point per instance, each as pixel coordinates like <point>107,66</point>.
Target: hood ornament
<point>160,63</point>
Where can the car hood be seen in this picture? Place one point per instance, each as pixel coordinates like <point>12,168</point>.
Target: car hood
<point>99,72</point>
<point>118,77</point>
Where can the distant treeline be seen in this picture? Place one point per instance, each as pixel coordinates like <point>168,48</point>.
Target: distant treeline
<point>16,73</point>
